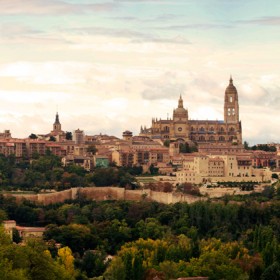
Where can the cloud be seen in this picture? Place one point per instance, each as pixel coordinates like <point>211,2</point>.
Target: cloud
<point>148,1</point>
<point>165,87</point>
<point>51,72</point>
<point>162,17</point>
<point>14,30</point>
<point>202,26</point>
<point>43,7</point>
<point>132,34</point>
<point>270,20</point>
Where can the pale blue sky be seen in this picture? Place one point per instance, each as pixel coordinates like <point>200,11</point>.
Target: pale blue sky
<point>113,65</point>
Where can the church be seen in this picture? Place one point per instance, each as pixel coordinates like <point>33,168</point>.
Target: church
<point>180,127</point>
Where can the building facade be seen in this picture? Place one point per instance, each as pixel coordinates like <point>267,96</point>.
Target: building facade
<point>200,169</point>
<point>180,127</point>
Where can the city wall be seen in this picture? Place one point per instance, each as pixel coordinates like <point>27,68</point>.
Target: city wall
<point>106,193</point>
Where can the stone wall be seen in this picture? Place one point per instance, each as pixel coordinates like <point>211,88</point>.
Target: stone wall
<point>107,193</point>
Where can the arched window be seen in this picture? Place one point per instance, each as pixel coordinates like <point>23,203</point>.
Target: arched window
<point>192,128</point>
<point>212,138</point>
<point>201,138</point>
<point>230,99</point>
<point>166,128</point>
<point>233,111</point>
<point>231,138</point>
<point>202,129</point>
<point>222,129</point>
<point>228,111</point>
<point>231,129</point>
<point>221,138</point>
<point>212,129</point>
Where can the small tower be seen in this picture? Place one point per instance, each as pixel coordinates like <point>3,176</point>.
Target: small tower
<point>79,136</point>
<point>127,135</point>
<point>56,125</point>
<point>231,107</point>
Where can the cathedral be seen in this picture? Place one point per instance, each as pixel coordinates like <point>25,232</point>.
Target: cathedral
<point>180,127</point>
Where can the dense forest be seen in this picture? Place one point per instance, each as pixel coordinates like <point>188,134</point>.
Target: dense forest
<point>141,240</point>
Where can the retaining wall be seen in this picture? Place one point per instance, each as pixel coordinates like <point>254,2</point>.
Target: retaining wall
<point>106,193</point>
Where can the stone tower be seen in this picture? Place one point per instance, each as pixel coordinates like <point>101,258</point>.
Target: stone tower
<point>231,107</point>
<point>56,125</point>
<point>180,128</point>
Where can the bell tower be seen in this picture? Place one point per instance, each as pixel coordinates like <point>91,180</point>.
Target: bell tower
<point>231,107</point>
<point>56,125</point>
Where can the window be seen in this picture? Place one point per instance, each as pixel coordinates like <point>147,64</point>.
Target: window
<point>230,99</point>
<point>229,113</point>
<point>201,138</point>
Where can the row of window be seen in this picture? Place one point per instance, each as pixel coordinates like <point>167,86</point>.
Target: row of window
<point>221,129</point>
<point>210,139</point>
<point>201,129</point>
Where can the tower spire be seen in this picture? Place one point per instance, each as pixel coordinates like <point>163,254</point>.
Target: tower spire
<point>57,118</point>
<point>56,125</point>
<point>230,79</point>
<point>180,102</point>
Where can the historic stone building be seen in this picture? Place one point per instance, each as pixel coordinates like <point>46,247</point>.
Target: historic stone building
<point>180,127</point>
<point>57,132</point>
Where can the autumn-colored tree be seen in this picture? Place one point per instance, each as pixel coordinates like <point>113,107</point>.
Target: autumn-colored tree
<point>66,259</point>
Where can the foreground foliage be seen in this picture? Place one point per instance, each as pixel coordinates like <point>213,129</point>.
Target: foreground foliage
<point>34,261</point>
<point>220,240</point>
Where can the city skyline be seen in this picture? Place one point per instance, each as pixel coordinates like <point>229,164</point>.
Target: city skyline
<point>110,66</point>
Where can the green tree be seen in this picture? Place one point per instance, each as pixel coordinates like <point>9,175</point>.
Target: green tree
<point>105,177</point>
<point>52,138</point>
<point>77,237</point>
<point>272,272</point>
<point>246,145</point>
<point>166,143</point>
<point>68,135</point>
<point>92,149</point>
<point>153,169</point>
<point>33,136</point>
<point>150,228</point>
<point>93,263</point>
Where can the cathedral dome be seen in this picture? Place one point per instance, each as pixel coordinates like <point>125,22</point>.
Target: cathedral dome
<point>180,110</point>
<point>180,113</point>
<point>231,89</point>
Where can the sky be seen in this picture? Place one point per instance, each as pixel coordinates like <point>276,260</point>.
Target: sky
<point>112,65</point>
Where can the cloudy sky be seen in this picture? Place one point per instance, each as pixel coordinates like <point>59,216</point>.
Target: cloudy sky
<point>112,65</point>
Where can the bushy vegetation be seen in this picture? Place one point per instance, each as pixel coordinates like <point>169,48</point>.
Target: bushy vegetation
<point>47,172</point>
<point>260,147</point>
<point>148,239</point>
<point>35,261</point>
